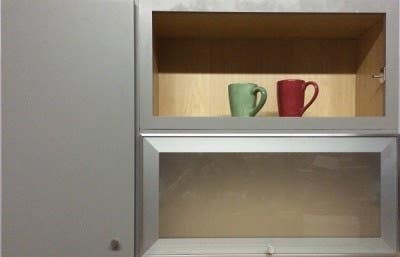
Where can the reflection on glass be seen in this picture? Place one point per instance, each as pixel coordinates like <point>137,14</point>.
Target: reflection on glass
<point>269,195</point>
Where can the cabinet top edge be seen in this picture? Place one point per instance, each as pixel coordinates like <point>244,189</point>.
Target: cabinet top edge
<point>328,6</point>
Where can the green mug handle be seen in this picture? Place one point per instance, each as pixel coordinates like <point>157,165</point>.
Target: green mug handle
<point>261,102</point>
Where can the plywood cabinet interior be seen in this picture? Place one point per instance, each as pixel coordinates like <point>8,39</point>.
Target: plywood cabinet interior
<point>196,56</point>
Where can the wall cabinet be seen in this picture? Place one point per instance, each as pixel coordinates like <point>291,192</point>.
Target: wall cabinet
<point>209,184</point>
<point>188,53</point>
<point>96,149</point>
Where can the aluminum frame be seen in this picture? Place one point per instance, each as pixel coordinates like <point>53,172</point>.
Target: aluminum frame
<point>150,244</point>
<point>385,124</point>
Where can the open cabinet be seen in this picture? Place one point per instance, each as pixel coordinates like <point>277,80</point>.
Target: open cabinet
<point>189,54</point>
<point>197,55</point>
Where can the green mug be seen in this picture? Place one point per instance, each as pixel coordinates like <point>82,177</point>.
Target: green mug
<point>243,99</point>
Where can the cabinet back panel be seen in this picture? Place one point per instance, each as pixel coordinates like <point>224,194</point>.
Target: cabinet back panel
<point>193,74</point>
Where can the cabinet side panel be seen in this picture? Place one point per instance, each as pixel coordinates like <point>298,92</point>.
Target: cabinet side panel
<point>156,89</point>
<point>370,93</point>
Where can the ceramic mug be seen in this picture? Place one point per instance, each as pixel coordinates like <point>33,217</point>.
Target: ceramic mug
<point>243,99</point>
<point>291,97</point>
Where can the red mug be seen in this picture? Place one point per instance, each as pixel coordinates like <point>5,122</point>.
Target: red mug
<point>291,97</point>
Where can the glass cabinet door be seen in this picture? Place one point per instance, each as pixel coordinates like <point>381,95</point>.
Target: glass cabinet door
<point>269,195</point>
<point>250,195</point>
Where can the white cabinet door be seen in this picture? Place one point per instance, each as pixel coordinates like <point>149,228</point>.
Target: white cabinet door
<point>68,127</point>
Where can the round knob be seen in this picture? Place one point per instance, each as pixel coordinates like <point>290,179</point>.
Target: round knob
<point>115,244</point>
<point>270,249</point>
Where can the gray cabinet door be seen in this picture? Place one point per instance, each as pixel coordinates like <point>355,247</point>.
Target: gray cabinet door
<point>68,130</point>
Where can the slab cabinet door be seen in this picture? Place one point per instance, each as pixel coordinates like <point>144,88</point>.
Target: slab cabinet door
<point>68,128</point>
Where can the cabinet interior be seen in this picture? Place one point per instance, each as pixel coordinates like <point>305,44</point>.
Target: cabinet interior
<point>196,56</point>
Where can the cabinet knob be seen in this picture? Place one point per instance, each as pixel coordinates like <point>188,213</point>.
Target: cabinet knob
<point>270,249</point>
<point>115,244</point>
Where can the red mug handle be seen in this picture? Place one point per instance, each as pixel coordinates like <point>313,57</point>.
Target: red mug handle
<point>316,91</point>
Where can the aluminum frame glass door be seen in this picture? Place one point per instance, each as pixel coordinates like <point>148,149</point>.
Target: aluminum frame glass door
<point>332,156</point>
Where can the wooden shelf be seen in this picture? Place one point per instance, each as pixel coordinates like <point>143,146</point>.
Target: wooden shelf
<point>196,55</point>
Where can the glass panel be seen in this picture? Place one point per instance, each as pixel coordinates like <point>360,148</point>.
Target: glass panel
<point>269,195</point>
<point>197,55</point>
